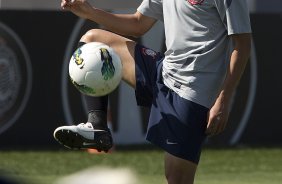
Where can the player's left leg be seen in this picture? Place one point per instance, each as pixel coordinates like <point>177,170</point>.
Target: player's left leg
<point>178,170</point>
<point>123,47</point>
<point>95,133</point>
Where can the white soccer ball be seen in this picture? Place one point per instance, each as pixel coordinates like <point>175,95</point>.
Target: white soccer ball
<point>95,69</point>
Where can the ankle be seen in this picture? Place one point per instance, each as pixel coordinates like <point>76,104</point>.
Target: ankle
<point>98,118</point>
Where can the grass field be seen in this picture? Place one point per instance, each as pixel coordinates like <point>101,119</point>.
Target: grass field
<point>217,166</point>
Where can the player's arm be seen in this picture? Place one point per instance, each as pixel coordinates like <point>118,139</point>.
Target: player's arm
<point>219,113</point>
<point>126,24</point>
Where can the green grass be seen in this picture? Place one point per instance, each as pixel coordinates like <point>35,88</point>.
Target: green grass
<point>222,166</point>
<point>241,166</point>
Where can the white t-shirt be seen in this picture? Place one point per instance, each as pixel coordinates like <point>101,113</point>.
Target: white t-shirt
<point>197,42</point>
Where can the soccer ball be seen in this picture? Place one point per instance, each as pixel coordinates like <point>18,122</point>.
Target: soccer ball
<point>95,69</point>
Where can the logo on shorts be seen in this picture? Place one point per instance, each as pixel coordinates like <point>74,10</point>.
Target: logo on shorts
<point>170,143</point>
<point>195,2</point>
<point>149,52</point>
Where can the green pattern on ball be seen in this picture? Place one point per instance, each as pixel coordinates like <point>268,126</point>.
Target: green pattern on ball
<point>83,88</point>
<point>108,69</point>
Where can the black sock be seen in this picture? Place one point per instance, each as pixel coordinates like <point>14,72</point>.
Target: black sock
<point>97,107</point>
<point>97,110</point>
<point>98,119</point>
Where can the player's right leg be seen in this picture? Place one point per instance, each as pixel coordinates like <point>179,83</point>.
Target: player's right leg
<point>178,170</point>
<point>95,133</point>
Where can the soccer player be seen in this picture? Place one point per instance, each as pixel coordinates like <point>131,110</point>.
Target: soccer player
<point>188,88</point>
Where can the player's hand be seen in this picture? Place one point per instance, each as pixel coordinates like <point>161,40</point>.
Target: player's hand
<point>217,117</point>
<point>80,8</point>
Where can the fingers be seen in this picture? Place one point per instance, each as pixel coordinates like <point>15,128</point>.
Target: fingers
<point>215,127</point>
<point>65,4</point>
<point>211,129</point>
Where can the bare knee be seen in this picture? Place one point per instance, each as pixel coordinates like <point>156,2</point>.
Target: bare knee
<point>94,35</point>
<point>179,171</point>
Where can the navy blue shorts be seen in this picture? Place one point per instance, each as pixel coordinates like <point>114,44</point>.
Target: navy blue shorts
<point>175,124</point>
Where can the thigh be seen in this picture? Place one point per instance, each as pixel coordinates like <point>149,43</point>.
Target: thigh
<point>123,46</point>
<point>147,67</point>
<point>177,125</point>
